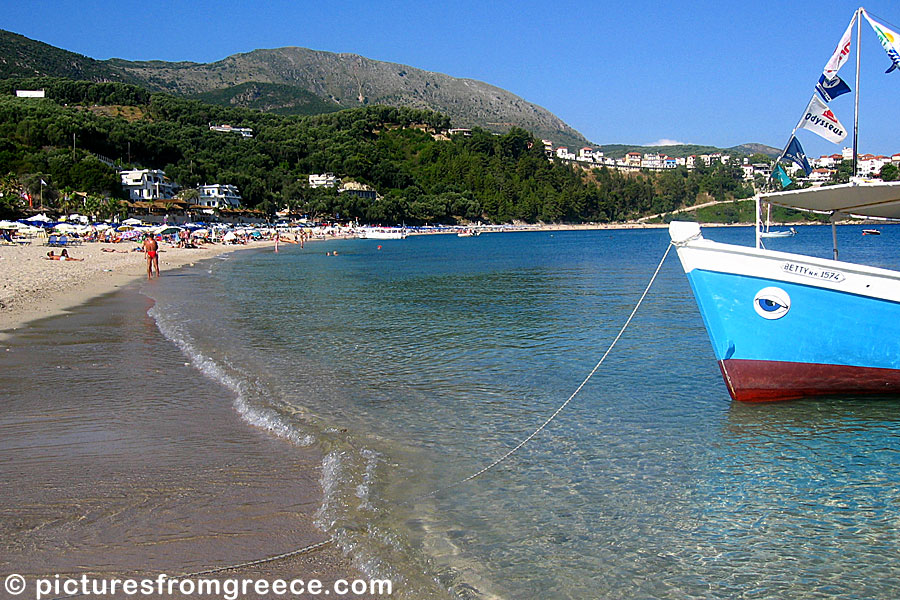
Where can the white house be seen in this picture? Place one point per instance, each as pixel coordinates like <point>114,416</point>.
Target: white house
<point>360,190</point>
<point>324,180</point>
<point>563,153</point>
<point>820,175</point>
<point>219,195</point>
<point>147,184</point>
<point>633,159</point>
<point>653,161</point>
<point>244,131</point>
<point>586,155</point>
<point>868,164</point>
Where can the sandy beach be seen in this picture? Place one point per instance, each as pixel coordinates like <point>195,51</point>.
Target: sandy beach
<point>34,287</point>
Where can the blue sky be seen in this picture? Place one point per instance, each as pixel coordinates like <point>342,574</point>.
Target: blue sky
<point>719,73</point>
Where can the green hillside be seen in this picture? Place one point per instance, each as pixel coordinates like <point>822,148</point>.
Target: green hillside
<point>420,175</point>
<point>287,81</point>
<point>270,97</point>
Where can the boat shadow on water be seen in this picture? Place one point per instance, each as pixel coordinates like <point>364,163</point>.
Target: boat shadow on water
<point>852,415</point>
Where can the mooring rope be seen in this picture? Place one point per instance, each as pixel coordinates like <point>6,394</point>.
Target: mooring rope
<point>475,475</point>
<point>568,400</point>
<point>251,563</point>
<point>260,561</point>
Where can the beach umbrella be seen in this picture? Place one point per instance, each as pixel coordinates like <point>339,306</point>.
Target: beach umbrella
<point>65,228</point>
<point>200,233</point>
<point>166,230</point>
<point>41,217</point>
<point>10,225</point>
<point>229,237</point>
<point>132,221</point>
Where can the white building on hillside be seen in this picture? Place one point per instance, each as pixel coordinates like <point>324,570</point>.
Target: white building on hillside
<point>219,195</point>
<point>563,153</point>
<point>324,180</point>
<point>244,131</point>
<point>147,184</point>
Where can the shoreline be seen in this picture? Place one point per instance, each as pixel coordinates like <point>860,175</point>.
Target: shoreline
<point>34,288</point>
<point>119,480</point>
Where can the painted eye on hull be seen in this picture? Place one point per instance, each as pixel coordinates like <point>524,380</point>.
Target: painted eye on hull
<point>771,303</point>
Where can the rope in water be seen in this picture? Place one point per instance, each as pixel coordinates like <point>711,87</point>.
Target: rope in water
<point>475,475</point>
<point>260,561</point>
<point>569,399</point>
<point>251,563</point>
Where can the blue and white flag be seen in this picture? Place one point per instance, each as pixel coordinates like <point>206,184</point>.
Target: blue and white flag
<point>890,41</point>
<point>781,176</point>
<point>829,89</point>
<point>43,182</point>
<point>794,153</point>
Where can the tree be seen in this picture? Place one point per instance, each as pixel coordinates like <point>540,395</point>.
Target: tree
<point>189,195</point>
<point>890,172</point>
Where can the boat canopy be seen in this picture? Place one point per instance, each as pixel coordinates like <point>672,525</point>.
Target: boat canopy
<point>863,198</point>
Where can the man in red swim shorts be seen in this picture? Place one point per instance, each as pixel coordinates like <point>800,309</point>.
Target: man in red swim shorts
<point>152,250</point>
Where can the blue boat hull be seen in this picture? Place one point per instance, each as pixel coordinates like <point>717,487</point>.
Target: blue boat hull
<point>786,326</point>
<point>811,350</point>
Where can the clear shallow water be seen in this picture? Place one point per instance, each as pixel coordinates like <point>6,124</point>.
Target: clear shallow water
<point>418,364</point>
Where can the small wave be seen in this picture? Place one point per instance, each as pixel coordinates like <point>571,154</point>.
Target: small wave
<point>263,418</point>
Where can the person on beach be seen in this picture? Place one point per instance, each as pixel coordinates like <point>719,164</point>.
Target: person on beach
<point>152,250</point>
<point>277,237</point>
<point>63,256</point>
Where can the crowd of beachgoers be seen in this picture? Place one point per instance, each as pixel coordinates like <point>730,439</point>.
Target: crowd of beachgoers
<point>92,258</point>
<point>101,256</point>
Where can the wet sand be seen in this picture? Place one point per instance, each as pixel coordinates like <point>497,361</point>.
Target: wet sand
<point>119,459</point>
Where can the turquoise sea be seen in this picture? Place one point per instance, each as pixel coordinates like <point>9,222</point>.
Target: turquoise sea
<point>415,363</point>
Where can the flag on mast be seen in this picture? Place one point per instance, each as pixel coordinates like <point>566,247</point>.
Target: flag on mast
<point>841,53</point>
<point>889,39</point>
<point>819,119</point>
<point>794,153</point>
<point>781,176</point>
<point>829,89</point>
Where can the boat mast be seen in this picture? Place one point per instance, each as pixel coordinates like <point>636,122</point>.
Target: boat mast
<point>856,101</point>
<point>758,240</point>
<point>834,215</point>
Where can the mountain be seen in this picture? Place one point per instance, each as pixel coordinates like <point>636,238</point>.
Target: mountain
<point>299,76</point>
<point>750,149</point>
<point>681,150</point>
<point>24,57</point>
<point>270,97</point>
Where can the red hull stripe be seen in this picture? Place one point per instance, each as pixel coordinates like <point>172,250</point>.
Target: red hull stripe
<point>764,381</point>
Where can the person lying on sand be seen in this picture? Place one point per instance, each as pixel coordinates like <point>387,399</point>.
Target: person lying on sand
<point>64,255</point>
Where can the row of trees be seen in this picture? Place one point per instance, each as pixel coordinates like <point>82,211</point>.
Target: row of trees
<point>420,178</point>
